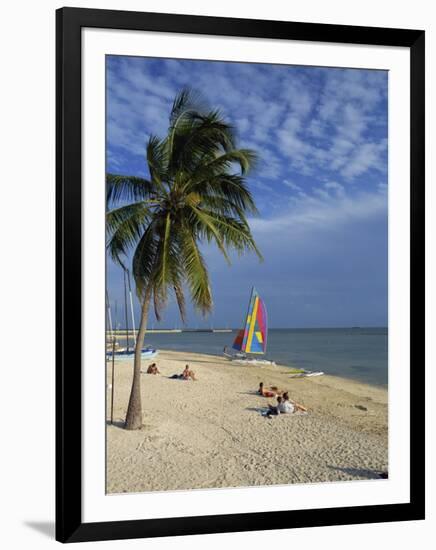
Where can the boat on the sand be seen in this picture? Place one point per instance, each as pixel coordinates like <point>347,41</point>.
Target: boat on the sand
<point>252,339</point>
<point>123,353</point>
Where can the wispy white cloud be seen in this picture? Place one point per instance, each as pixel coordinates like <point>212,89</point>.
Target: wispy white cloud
<point>339,135</point>
<point>292,185</point>
<point>323,209</point>
<point>335,187</point>
<point>367,155</point>
<point>334,130</point>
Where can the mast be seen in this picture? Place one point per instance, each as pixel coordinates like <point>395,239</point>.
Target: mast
<point>247,322</point>
<point>254,340</point>
<point>125,309</point>
<point>109,315</point>
<point>116,318</point>
<point>131,307</point>
<point>241,335</point>
<point>266,325</point>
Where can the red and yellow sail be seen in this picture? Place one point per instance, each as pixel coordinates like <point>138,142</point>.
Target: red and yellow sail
<point>252,338</point>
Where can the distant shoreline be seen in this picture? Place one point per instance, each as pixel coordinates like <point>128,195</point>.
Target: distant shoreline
<point>122,331</point>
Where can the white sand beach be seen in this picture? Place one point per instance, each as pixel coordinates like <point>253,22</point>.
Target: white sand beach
<point>210,433</point>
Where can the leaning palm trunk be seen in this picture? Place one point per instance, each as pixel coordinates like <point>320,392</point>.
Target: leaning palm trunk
<point>134,410</point>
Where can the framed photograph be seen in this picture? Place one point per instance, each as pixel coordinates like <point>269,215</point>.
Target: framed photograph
<point>240,275</point>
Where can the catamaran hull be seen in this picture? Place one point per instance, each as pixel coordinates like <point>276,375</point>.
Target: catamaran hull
<point>256,362</point>
<point>247,360</point>
<point>147,353</point>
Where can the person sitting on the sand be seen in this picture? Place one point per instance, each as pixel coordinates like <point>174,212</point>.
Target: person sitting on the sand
<point>288,406</point>
<point>187,374</point>
<point>152,369</point>
<point>268,393</point>
<point>285,407</point>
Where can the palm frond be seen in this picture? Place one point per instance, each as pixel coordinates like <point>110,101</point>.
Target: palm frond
<point>196,273</point>
<point>158,303</point>
<point>199,140</point>
<point>125,226</point>
<point>180,299</point>
<point>121,188</point>
<point>211,231</point>
<point>157,161</point>
<point>186,101</point>
<point>245,158</point>
<point>144,260</point>
<point>163,276</point>
<point>230,188</point>
<point>235,233</point>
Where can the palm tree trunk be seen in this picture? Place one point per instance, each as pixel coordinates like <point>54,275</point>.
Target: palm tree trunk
<point>134,410</point>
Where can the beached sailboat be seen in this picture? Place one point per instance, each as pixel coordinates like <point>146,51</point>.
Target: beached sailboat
<point>114,349</point>
<point>146,353</point>
<point>252,339</point>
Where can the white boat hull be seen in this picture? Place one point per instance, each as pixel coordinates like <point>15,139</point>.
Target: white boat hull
<point>260,362</point>
<point>123,355</point>
<point>241,360</point>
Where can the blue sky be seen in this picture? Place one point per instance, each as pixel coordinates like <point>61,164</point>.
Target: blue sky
<point>321,183</point>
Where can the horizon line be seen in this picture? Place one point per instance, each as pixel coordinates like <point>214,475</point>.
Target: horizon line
<point>181,328</point>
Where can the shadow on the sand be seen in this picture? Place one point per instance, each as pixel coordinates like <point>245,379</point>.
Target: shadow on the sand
<point>47,528</point>
<point>256,409</point>
<point>361,472</point>
<point>115,423</point>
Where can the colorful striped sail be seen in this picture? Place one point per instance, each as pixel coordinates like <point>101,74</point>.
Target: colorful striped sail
<point>252,338</point>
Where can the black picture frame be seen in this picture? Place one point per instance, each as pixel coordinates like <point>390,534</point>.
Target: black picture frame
<point>69,525</point>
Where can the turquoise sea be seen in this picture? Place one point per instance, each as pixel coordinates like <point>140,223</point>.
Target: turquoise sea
<point>356,353</point>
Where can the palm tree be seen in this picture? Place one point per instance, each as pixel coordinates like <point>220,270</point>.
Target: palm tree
<point>196,193</point>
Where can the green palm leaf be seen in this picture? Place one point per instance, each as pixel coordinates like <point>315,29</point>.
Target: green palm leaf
<point>125,226</point>
<point>127,188</point>
<point>196,273</point>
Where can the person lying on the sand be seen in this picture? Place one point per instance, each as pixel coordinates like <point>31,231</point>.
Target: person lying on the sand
<point>288,406</point>
<point>152,369</point>
<point>268,393</point>
<point>187,374</point>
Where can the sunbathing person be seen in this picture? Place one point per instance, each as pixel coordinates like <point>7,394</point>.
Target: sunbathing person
<point>152,369</point>
<point>187,374</point>
<point>288,406</point>
<point>268,393</point>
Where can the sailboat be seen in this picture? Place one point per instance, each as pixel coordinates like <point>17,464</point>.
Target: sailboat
<point>252,339</point>
<point>146,353</point>
<point>126,353</point>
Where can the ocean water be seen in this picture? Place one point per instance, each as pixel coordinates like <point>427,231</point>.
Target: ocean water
<point>357,353</point>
